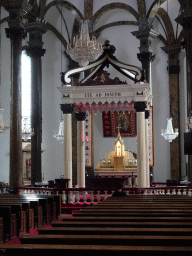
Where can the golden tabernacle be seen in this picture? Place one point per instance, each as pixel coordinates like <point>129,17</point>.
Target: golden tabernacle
<point>119,162</point>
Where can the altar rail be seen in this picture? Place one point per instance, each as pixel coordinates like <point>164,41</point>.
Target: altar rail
<point>71,195</point>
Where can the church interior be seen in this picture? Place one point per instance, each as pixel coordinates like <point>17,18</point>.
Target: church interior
<point>57,23</point>
<point>94,94</point>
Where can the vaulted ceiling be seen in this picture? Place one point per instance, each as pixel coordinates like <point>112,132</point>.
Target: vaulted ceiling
<point>142,11</point>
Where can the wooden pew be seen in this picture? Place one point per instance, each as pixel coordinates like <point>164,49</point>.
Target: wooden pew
<point>1,231</point>
<point>29,213</point>
<point>25,212</point>
<point>128,223</point>
<point>31,249</point>
<point>116,231</point>
<point>127,219</point>
<point>141,240</point>
<point>9,222</point>
<point>18,220</point>
<point>37,209</point>
<point>51,209</point>
<point>54,202</point>
<point>124,226</point>
<point>138,205</point>
<point>134,213</point>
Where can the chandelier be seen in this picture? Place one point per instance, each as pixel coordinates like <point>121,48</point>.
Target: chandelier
<point>27,132</point>
<point>83,50</point>
<point>169,134</point>
<point>2,127</point>
<point>59,135</point>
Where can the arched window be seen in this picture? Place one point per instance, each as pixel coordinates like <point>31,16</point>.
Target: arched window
<point>26,95</point>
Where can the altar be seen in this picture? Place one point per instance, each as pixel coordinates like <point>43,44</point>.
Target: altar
<point>118,163</point>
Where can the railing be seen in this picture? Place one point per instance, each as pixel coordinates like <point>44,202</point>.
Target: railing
<point>91,196</point>
<point>165,190</point>
<point>71,195</point>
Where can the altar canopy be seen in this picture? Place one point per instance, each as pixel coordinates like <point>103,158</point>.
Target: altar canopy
<point>99,98</point>
<point>98,93</point>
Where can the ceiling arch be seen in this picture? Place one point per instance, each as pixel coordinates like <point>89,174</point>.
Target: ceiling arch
<point>112,6</point>
<point>67,5</point>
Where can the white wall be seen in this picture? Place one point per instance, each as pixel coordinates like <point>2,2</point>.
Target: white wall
<point>51,113</point>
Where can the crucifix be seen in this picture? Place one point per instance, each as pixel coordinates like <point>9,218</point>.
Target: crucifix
<point>118,128</point>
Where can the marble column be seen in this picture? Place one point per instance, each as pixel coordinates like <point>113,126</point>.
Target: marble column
<point>80,149</point>
<point>185,20</point>
<point>67,150</point>
<point>141,148</point>
<point>16,33</point>
<point>147,114</point>
<point>35,51</point>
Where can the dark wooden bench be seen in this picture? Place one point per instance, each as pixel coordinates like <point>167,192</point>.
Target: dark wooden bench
<point>122,227</point>
<point>127,223</point>
<point>9,222</point>
<point>127,218</point>
<point>51,204</point>
<point>26,210</point>
<point>30,249</point>
<point>1,231</point>
<point>116,231</point>
<point>55,204</point>
<point>134,214</point>
<point>136,240</point>
<point>22,215</point>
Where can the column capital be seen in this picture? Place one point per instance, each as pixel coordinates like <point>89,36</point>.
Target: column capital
<point>15,32</point>
<point>16,7</point>
<point>80,116</point>
<point>147,114</point>
<point>172,49</point>
<point>173,52</point>
<point>67,108</point>
<point>185,18</point>
<point>146,37</point>
<point>35,51</point>
<point>36,30</point>
<point>146,56</point>
<point>140,106</point>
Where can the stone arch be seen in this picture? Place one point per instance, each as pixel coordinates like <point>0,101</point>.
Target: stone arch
<point>67,5</point>
<point>109,7</point>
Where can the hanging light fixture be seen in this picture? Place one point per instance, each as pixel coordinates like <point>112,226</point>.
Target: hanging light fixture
<point>59,135</point>
<point>2,127</point>
<point>169,134</point>
<point>83,50</point>
<point>27,132</point>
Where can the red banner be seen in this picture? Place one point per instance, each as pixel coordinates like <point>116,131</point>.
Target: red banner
<point>106,117</point>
